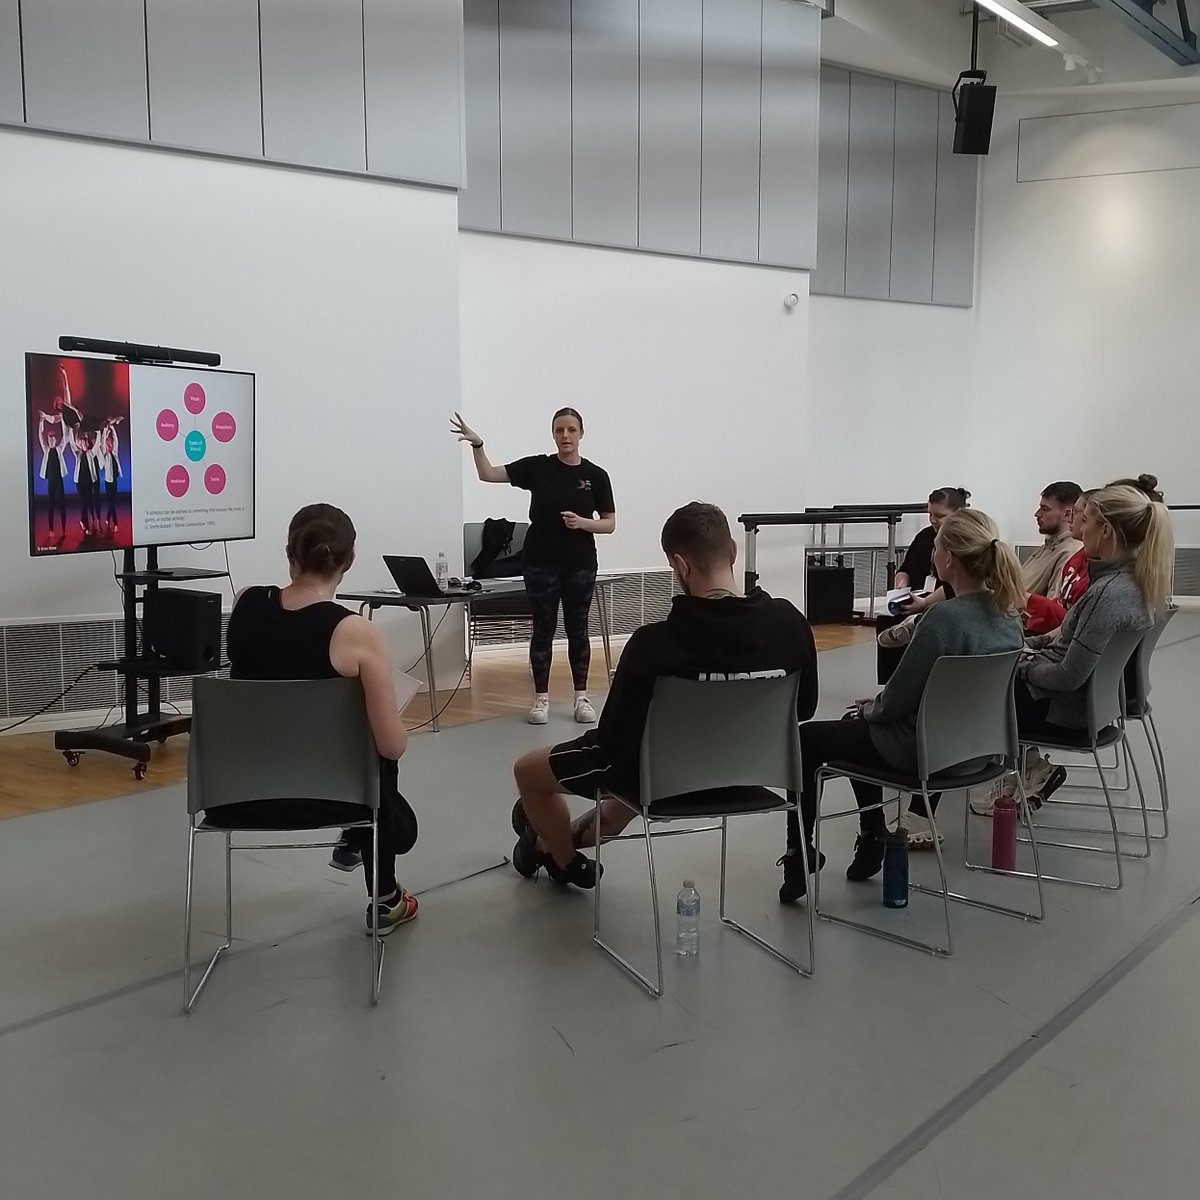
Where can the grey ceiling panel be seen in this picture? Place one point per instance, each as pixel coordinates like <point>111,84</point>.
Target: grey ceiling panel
<point>205,88</point>
<point>479,201</point>
<point>85,66</point>
<point>410,52</point>
<point>535,102</point>
<point>833,178</point>
<point>605,121</point>
<point>914,193</point>
<point>869,212</point>
<point>12,103</point>
<point>312,66</point>
<point>730,114</point>
<point>669,154</point>
<point>791,59</point>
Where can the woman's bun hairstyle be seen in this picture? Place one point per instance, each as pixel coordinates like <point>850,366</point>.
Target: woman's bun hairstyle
<point>321,540</point>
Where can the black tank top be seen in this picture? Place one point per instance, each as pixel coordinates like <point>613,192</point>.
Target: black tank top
<point>267,641</point>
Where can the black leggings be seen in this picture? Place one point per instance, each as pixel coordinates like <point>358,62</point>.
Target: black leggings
<point>823,742</point>
<point>547,587</point>
<point>110,487</point>
<point>397,830</point>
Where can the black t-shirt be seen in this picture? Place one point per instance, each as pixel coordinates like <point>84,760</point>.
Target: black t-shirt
<point>267,641</point>
<point>918,562</point>
<point>726,638</point>
<point>557,488</point>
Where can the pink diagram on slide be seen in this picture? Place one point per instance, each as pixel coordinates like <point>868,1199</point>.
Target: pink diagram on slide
<point>193,399</point>
<point>167,425</point>
<point>224,427</point>
<point>214,479</point>
<point>178,481</point>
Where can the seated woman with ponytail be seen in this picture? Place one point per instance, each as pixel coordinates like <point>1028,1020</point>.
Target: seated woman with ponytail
<point>1127,537</point>
<point>981,618</point>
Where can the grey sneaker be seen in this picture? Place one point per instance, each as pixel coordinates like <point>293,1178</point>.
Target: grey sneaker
<point>345,858</point>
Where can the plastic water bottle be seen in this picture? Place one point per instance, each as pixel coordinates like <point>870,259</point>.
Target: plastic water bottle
<point>441,572</point>
<point>895,870</point>
<point>687,911</point>
<point>1004,834</point>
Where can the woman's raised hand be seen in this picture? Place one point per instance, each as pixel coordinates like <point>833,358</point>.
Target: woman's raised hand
<point>463,431</point>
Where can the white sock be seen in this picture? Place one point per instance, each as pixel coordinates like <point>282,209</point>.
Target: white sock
<point>580,696</point>
<point>540,697</point>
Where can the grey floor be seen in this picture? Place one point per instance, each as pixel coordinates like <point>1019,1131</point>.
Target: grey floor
<point>508,1058</point>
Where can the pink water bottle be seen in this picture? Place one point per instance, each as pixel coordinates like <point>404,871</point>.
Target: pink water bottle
<point>1004,834</point>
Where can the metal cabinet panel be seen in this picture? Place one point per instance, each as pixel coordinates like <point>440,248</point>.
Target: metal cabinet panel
<point>205,86</point>
<point>669,126</point>
<point>535,103</point>
<point>479,200</point>
<point>833,179</point>
<point>730,115</point>
<point>954,219</point>
<point>85,66</point>
<point>869,209</point>
<point>914,193</point>
<point>604,121</point>
<point>791,59</point>
<point>312,82</point>
<point>410,59</point>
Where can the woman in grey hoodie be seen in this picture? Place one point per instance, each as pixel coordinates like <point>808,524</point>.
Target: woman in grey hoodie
<point>1127,538</point>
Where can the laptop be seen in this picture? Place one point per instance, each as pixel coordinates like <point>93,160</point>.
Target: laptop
<point>414,578</point>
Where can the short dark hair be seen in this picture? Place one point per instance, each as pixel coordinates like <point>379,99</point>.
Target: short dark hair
<point>567,412</point>
<point>700,533</point>
<point>1063,492</point>
<point>321,540</point>
<point>952,497</point>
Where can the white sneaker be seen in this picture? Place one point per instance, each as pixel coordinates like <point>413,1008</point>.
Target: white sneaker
<point>1002,787</point>
<point>539,714</point>
<point>919,830</point>
<point>585,714</point>
<point>896,636</point>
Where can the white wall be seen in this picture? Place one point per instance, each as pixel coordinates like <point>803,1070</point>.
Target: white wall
<point>691,377</point>
<point>341,294</point>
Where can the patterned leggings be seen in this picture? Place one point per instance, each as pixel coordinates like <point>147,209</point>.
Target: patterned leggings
<point>547,586</point>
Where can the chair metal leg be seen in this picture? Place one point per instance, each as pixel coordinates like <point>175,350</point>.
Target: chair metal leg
<point>1131,769</point>
<point>1036,873</point>
<point>622,962</point>
<point>377,945</point>
<point>754,937</point>
<point>1160,765</point>
<point>862,926</point>
<point>189,996</point>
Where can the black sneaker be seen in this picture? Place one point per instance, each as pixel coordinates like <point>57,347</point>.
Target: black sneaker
<point>520,822</point>
<point>345,858</point>
<point>1054,781</point>
<point>525,857</point>
<point>868,858</point>
<point>581,871</point>
<point>795,884</point>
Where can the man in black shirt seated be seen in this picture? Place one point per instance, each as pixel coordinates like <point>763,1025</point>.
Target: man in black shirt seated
<point>712,632</point>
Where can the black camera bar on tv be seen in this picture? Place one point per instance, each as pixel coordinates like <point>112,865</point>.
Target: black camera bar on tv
<point>136,353</point>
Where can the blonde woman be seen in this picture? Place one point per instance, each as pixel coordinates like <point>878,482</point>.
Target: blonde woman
<point>982,618</point>
<point>1127,538</point>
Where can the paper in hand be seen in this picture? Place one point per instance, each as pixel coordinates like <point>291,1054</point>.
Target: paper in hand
<point>406,688</point>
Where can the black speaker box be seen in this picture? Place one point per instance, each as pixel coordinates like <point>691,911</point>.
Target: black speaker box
<point>183,628</point>
<point>830,595</point>
<point>973,118</point>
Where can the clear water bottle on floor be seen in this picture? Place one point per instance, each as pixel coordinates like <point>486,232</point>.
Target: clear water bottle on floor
<point>442,571</point>
<point>687,911</point>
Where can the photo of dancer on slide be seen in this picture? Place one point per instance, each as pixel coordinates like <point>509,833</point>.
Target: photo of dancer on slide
<point>79,463</point>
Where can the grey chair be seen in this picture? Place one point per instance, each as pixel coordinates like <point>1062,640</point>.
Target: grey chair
<point>1137,708</point>
<point>712,750</point>
<point>289,740</point>
<point>1105,694</point>
<point>967,714</point>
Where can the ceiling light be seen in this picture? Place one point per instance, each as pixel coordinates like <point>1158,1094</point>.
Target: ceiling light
<point>1004,9</point>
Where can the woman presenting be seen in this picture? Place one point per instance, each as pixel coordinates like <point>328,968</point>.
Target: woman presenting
<point>571,501</point>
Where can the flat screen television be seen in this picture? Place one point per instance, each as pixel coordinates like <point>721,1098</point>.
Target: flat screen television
<point>126,454</point>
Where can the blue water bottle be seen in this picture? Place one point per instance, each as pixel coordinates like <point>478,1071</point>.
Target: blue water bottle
<point>895,869</point>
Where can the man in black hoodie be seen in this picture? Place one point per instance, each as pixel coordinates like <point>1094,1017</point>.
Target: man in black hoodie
<point>712,632</point>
